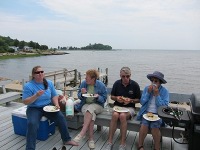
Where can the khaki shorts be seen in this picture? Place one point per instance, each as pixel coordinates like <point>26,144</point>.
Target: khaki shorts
<point>94,109</point>
<point>131,111</point>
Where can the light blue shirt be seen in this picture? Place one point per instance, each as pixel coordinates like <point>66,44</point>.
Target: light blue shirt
<point>33,87</point>
<point>161,100</point>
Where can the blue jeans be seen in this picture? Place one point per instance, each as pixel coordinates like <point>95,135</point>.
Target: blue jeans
<point>33,119</point>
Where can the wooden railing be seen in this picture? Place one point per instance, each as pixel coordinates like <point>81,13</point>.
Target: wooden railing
<point>62,77</point>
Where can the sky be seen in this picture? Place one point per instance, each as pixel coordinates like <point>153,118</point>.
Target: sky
<point>122,24</point>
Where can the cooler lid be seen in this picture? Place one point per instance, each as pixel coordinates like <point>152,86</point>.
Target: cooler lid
<point>21,112</point>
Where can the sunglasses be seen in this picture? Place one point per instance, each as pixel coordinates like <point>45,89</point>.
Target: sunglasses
<point>38,72</point>
<point>125,76</point>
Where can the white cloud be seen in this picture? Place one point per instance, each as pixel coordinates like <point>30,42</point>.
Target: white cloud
<point>122,23</point>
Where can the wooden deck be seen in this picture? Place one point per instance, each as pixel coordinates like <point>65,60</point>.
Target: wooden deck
<point>11,141</point>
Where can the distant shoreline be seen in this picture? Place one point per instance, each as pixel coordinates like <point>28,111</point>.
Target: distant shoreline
<point>25,54</point>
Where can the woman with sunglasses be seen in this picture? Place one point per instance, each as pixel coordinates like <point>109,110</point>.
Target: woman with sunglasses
<point>37,93</point>
<point>153,96</point>
<point>125,93</point>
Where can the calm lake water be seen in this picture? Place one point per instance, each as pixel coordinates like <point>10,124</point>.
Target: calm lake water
<point>181,68</point>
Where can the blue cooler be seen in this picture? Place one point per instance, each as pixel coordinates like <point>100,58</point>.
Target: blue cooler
<point>19,120</point>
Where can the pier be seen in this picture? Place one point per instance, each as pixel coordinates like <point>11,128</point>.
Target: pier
<point>62,79</point>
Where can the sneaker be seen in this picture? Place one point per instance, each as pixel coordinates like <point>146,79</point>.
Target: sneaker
<point>108,146</point>
<point>78,138</point>
<point>122,147</point>
<point>91,144</point>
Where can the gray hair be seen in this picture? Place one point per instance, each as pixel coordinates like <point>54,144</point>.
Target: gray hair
<point>126,70</point>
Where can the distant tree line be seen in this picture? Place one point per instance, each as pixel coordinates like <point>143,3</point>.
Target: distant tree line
<point>92,47</point>
<point>97,47</point>
<point>6,42</point>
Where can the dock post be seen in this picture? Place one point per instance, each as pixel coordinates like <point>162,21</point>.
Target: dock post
<point>65,75</point>
<point>106,82</point>
<point>79,76</point>
<point>75,77</point>
<point>98,69</point>
<point>3,89</point>
<point>54,79</point>
<point>23,82</point>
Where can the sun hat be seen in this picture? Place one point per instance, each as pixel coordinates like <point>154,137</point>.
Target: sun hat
<point>158,75</point>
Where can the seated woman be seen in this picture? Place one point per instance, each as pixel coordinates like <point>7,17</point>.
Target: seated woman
<point>153,96</point>
<point>37,93</point>
<point>90,105</point>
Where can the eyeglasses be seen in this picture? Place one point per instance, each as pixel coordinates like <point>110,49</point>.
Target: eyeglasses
<point>125,76</point>
<point>38,72</point>
<point>155,80</point>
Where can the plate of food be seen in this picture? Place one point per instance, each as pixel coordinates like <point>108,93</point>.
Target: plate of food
<point>120,109</point>
<point>51,109</point>
<point>151,117</point>
<point>89,95</point>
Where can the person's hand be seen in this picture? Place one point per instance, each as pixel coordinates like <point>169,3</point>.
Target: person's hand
<point>120,99</point>
<point>62,99</point>
<point>150,88</point>
<point>57,106</point>
<point>39,93</point>
<point>83,90</point>
<point>126,100</point>
<point>96,95</point>
<point>155,91</point>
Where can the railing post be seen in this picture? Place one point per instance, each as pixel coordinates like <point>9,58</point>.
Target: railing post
<point>75,77</point>
<point>3,89</point>
<point>54,79</point>
<point>106,78</point>
<point>98,69</point>
<point>30,77</point>
<point>23,82</point>
<point>79,76</point>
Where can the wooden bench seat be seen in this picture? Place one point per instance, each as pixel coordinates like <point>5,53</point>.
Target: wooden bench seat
<point>8,97</point>
<point>104,119</point>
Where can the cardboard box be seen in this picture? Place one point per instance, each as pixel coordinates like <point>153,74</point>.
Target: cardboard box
<point>19,120</point>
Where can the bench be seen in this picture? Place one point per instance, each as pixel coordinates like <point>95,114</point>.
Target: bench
<point>9,96</point>
<point>104,118</point>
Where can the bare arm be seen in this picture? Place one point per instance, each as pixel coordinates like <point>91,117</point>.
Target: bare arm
<point>33,98</point>
<point>55,101</point>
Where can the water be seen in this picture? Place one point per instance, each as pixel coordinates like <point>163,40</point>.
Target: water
<point>181,68</point>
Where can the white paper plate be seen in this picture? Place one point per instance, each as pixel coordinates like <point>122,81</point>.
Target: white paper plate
<point>50,109</point>
<point>154,118</point>
<point>120,109</point>
<point>88,95</point>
